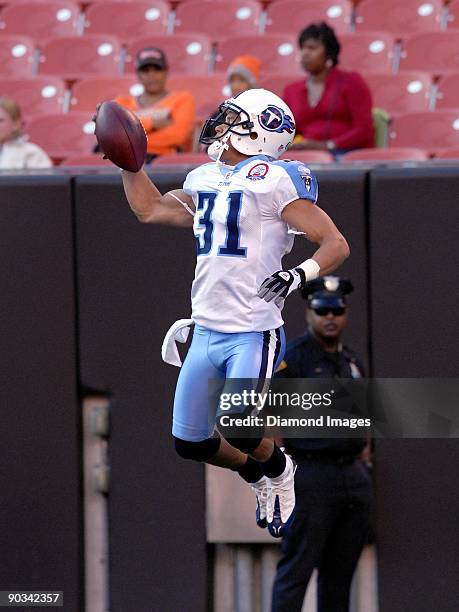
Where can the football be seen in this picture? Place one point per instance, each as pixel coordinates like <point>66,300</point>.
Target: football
<point>121,136</point>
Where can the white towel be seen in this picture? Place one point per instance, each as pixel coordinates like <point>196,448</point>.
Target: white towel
<point>177,332</point>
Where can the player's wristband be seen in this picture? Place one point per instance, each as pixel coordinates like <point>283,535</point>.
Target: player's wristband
<point>311,269</point>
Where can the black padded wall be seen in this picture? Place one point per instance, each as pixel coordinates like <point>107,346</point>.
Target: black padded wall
<point>414,262</point>
<point>414,267</point>
<point>40,474</point>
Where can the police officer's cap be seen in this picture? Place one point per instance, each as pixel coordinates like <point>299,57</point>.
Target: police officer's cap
<point>327,291</point>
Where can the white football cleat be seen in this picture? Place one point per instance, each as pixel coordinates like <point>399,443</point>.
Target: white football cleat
<point>261,488</point>
<point>281,499</point>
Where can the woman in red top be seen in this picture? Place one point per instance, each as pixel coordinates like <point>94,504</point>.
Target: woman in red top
<point>332,108</point>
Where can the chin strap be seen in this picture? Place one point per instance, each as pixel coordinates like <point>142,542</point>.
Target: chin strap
<point>217,148</point>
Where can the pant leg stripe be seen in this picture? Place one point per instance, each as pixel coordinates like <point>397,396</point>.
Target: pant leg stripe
<point>271,348</point>
<point>264,355</point>
<point>278,346</point>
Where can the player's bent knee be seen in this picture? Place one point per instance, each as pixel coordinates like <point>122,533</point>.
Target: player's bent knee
<point>198,451</point>
<point>246,445</point>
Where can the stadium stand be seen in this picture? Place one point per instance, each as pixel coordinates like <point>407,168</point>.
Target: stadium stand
<point>75,58</point>
<point>41,94</point>
<point>365,51</point>
<point>392,154</point>
<point>277,52</point>
<point>447,95</point>
<point>16,56</point>
<point>309,157</point>
<point>219,19</point>
<point>405,92</point>
<point>87,93</point>
<point>429,131</point>
<point>407,52</point>
<point>87,160</point>
<point>453,14</point>
<point>399,18</point>
<point>186,53</point>
<point>434,52</point>
<point>208,91</point>
<point>277,83</point>
<point>449,153</point>
<point>62,135</point>
<point>128,21</point>
<point>189,159</point>
<point>281,15</point>
<point>40,20</point>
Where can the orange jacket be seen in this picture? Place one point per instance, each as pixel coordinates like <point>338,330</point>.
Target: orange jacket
<point>179,133</point>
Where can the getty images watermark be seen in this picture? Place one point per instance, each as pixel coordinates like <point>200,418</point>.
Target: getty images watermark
<point>273,401</point>
<point>343,408</point>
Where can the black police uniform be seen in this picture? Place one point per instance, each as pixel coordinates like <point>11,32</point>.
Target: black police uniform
<point>333,492</point>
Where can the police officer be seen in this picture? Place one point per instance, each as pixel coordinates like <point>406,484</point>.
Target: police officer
<point>333,488</point>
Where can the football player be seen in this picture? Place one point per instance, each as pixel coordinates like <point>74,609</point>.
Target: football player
<point>244,208</point>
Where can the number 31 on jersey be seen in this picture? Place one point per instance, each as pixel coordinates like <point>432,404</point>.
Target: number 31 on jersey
<point>231,246</point>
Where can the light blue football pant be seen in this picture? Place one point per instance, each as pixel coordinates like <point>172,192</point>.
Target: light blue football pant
<point>216,355</point>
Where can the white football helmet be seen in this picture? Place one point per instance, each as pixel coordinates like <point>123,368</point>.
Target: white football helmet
<point>257,123</point>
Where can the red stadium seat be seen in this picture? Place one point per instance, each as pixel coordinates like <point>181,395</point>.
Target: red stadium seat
<point>40,20</point>
<point>435,52</point>
<point>453,14</point>
<point>80,57</point>
<point>177,2</point>
<point>128,20</point>
<point>309,157</point>
<point>209,91</point>
<point>392,154</point>
<point>42,94</point>
<point>448,92</point>
<point>63,135</point>
<point>16,55</point>
<point>397,17</point>
<point>284,16</point>
<point>276,83</point>
<point>365,51</point>
<point>189,159</point>
<point>87,160</point>
<point>277,52</point>
<point>186,53</point>
<point>429,131</point>
<point>449,153</point>
<point>219,19</point>
<point>91,2</point>
<point>405,92</point>
<point>87,93</point>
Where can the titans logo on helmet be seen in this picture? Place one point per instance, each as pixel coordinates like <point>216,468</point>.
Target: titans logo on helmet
<point>274,119</point>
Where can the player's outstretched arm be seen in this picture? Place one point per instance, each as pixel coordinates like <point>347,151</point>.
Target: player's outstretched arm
<point>333,249</point>
<point>122,138</point>
<point>319,228</point>
<point>150,206</point>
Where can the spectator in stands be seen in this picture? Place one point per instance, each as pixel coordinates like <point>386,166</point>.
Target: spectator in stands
<point>168,117</point>
<point>243,73</point>
<point>15,152</point>
<point>332,108</point>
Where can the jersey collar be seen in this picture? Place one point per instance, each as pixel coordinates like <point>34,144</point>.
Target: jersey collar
<point>224,169</point>
<point>249,160</point>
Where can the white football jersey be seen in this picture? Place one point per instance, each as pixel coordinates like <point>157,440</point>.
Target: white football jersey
<point>241,238</point>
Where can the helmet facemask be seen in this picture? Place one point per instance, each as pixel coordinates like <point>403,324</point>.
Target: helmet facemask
<point>235,119</point>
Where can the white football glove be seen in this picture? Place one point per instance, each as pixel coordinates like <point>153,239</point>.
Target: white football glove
<point>281,284</point>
